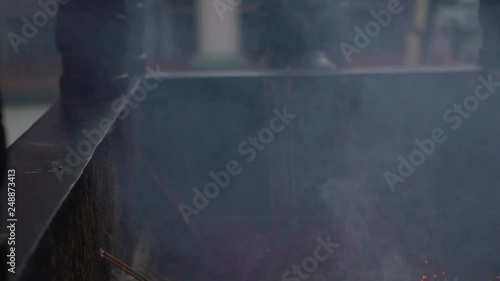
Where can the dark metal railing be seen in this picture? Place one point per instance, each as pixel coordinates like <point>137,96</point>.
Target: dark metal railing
<point>69,161</point>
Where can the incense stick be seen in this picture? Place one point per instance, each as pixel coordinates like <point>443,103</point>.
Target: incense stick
<point>118,263</point>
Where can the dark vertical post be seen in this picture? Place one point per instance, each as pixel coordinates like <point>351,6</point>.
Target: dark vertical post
<point>92,36</point>
<point>489,16</point>
<point>98,48</point>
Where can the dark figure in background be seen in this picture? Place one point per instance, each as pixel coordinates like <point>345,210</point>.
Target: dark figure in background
<point>302,34</point>
<point>489,17</point>
<point>456,35</point>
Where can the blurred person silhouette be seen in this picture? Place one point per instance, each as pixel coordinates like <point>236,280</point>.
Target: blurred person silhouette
<point>300,34</point>
<point>456,36</point>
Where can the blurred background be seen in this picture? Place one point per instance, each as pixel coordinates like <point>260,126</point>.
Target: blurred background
<point>200,35</point>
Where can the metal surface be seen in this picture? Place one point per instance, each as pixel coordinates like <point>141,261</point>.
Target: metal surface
<point>326,171</point>
<point>323,175</point>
